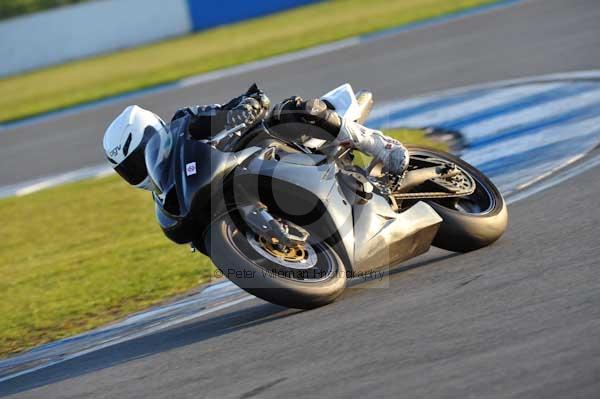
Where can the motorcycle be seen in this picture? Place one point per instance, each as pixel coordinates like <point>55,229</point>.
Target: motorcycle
<point>290,222</point>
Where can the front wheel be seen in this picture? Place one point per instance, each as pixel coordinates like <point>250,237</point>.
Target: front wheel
<point>470,222</point>
<point>303,277</point>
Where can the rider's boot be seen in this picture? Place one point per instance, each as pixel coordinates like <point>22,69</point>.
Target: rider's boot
<point>390,152</point>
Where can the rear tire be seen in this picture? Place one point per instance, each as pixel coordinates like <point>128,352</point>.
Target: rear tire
<point>463,231</point>
<point>232,253</point>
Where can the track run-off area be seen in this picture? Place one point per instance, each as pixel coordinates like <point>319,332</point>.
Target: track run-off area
<point>518,319</point>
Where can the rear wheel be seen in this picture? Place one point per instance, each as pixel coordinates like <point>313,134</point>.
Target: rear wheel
<point>470,222</point>
<point>303,277</point>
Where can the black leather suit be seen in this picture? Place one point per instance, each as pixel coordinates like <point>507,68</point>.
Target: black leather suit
<point>302,119</point>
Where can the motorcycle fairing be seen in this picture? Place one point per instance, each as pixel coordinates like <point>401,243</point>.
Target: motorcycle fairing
<point>366,234</point>
<point>383,238</point>
<point>302,187</point>
<point>183,210</point>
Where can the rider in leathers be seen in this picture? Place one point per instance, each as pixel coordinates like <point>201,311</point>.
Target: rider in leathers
<point>294,119</point>
<point>297,120</point>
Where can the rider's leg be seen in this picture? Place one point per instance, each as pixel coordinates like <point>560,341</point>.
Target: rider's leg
<point>390,152</point>
<point>295,119</point>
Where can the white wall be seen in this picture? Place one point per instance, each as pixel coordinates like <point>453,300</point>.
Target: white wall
<point>67,33</point>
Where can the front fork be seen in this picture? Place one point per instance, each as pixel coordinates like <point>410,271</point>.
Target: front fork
<point>264,225</point>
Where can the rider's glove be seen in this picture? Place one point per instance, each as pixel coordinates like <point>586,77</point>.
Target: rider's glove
<point>247,111</point>
<point>253,105</point>
<point>255,92</point>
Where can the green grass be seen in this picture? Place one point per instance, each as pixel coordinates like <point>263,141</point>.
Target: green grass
<point>13,8</point>
<point>78,256</point>
<point>95,78</point>
<point>417,137</point>
<point>81,255</point>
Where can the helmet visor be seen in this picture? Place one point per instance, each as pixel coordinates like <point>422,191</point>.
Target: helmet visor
<point>133,168</point>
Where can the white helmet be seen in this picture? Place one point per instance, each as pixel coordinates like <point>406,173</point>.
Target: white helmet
<point>125,143</point>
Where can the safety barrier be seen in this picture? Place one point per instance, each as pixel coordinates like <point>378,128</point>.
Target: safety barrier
<point>68,33</point>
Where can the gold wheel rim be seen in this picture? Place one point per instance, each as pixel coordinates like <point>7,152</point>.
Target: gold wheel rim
<point>295,254</point>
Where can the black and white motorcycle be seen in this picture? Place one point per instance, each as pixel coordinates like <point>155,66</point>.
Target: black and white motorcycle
<point>290,223</point>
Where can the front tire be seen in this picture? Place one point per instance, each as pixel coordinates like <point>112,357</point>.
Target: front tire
<point>469,223</point>
<point>235,254</point>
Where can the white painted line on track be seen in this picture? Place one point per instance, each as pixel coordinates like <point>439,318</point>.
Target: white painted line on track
<point>555,178</point>
<point>42,183</point>
<point>389,106</point>
<point>461,109</point>
<point>151,330</point>
<point>570,131</point>
<point>533,114</point>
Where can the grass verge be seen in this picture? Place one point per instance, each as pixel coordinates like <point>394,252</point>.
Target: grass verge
<point>15,8</point>
<point>81,255</point>
<point>91,79</point>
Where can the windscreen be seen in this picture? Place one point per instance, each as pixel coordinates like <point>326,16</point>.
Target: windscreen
<point>344,101</point>
<point>158,159</point>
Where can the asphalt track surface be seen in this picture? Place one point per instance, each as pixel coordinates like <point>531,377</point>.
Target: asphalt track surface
<point>518,319</point>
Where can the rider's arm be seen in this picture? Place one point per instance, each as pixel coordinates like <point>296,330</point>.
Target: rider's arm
<point>208,120</point>
<point>205,120</point>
